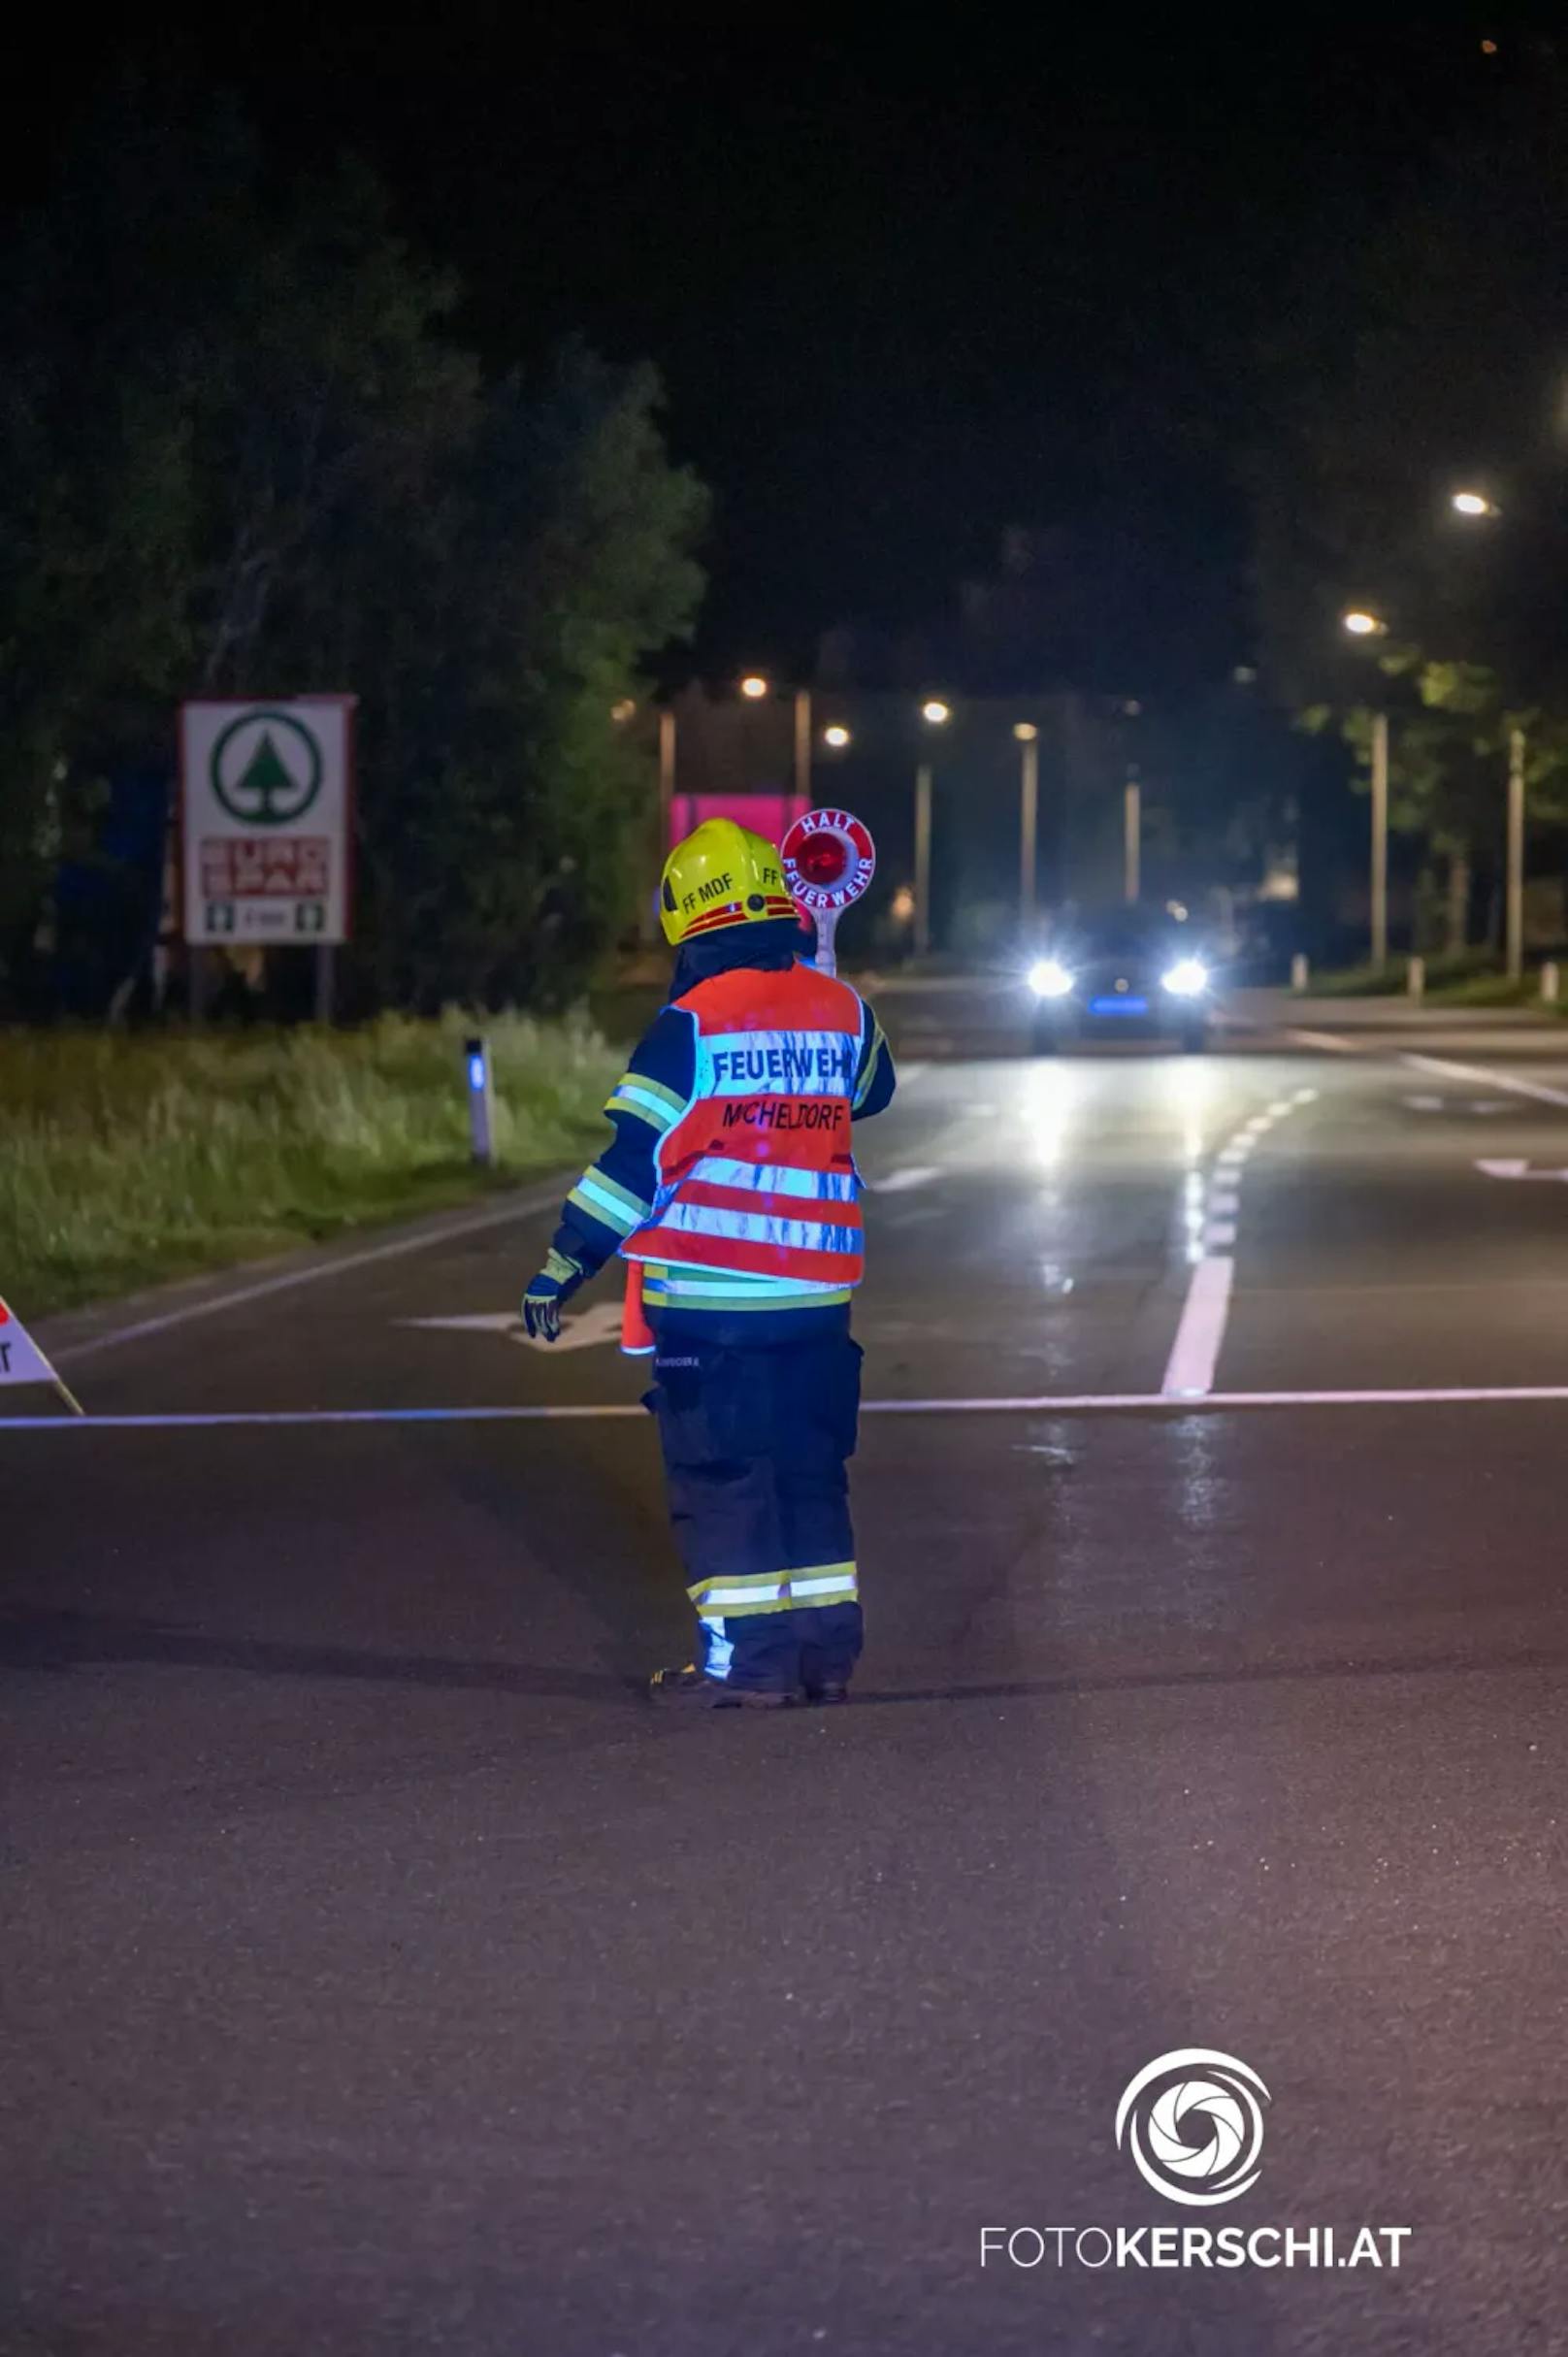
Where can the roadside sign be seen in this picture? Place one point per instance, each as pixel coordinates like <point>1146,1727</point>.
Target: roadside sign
<point>22,1362</point>
<point>828,860</point>
<point>266,815</point>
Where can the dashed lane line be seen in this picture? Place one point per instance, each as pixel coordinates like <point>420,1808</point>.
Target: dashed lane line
<point>1195,1351</point>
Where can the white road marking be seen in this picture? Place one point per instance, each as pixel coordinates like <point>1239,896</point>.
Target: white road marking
<point>1521,1169</point>
<point>520,1207</point>
<point>1218,1235</point>
<point>1043,1404</point>
<point>1323,1039</point>
<point>1516,1081</point>
<point>1189,1371</point>
<point>1424,1104</point>
<point>899,1182</point>
<point>598,1325</point>
<point>1224,1202</point>
<point>908,1073</point>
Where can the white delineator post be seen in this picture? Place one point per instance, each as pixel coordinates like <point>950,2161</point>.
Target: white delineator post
<point>481,1100</point>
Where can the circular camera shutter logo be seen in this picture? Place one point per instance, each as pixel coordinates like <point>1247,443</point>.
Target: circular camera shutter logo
<point>266,769</point>
<point>1193,2124</point>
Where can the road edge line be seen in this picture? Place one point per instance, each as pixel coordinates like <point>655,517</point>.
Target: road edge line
<point>1083,1403</point>
<point>317,1272</point>
<point>1516,1081</point>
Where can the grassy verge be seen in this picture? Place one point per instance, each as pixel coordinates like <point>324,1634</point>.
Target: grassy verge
<point>1471,980</point>
<point>1445,974</point>
<point>130,1159</point>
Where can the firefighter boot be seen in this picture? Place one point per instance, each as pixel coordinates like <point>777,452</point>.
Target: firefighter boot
<point>692,1689</point>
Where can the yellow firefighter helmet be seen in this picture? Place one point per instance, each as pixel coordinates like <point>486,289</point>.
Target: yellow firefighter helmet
<point>721,874</point>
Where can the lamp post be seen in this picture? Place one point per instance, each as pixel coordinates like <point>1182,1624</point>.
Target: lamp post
<point>935,714</point>
<point>1029,816</point>
<point>1516,854</point>
<point>802,745</point>
<point>1478,506</point>
<point>1380,840</point>
<point>1131,838</point>
<point>1361,623</point>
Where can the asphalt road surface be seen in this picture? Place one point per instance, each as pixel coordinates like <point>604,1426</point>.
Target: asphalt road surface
<point>381,1975</point>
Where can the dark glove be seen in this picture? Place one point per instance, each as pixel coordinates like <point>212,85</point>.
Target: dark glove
<point>554,1286</point>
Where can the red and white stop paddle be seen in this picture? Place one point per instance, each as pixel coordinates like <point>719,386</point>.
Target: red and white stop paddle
<point>828,860</point>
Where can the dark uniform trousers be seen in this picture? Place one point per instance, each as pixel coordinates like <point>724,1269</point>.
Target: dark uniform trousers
<point>756,1447</point>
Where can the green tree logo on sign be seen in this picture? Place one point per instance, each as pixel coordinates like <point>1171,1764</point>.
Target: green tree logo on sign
<point>266,769</point>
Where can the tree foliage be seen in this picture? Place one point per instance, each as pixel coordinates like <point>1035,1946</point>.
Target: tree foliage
<point>241,453</point>
<point>1426,355</point>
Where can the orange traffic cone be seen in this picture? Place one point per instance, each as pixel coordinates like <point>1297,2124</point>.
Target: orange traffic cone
<point>637,1334</point>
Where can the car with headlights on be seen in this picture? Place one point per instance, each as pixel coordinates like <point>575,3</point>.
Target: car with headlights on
<point>1123,973</point>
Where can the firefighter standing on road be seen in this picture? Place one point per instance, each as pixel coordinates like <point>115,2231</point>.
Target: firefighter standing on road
<point>732,1181</point>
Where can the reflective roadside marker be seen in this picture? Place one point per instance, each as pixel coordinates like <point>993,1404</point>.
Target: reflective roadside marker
<point>481,1103</point>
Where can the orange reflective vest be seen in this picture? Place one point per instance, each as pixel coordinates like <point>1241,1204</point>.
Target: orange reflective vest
<point>757,1177</point>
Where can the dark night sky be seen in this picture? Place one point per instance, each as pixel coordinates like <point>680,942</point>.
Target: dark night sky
<point>909,280</point>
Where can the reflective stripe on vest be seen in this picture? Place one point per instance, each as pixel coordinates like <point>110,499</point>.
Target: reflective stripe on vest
<point>756,1177</point>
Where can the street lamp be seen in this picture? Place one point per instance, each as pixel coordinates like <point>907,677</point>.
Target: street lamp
<point>1364,625</point>
<point>754,687</point>
<point>1028,808</point>
<point>935,714</point>
<point>1473,502</point>
<point>835,735</point>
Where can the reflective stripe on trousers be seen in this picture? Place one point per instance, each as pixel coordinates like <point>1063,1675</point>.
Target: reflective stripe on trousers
<point>776,1591</point>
